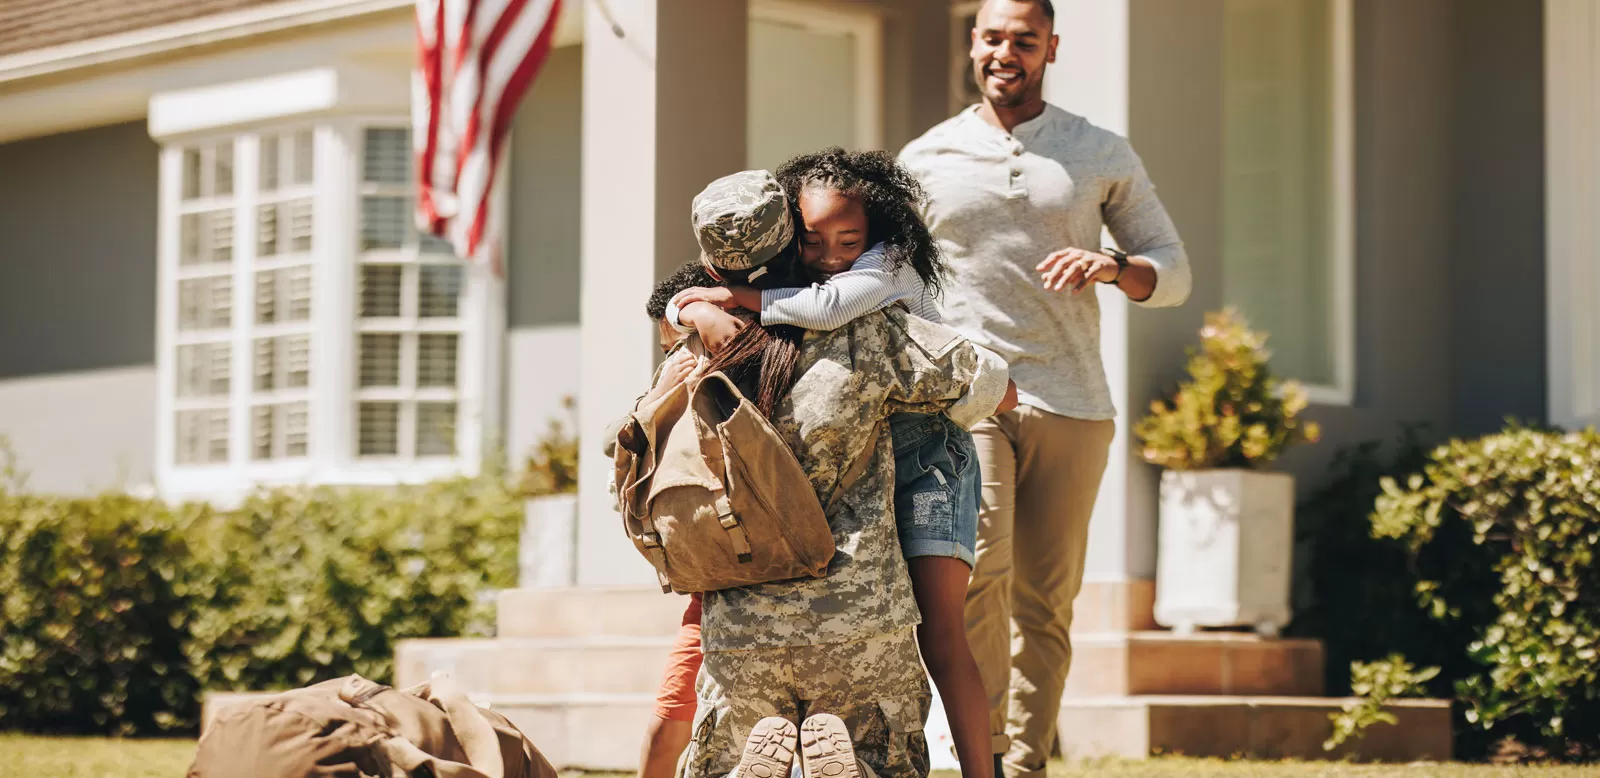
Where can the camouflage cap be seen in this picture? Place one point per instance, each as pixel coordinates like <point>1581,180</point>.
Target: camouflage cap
<point>742,220</point>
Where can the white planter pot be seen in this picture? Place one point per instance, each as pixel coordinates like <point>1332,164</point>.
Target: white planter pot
<point>1225,548</point>
<point>547,554</point>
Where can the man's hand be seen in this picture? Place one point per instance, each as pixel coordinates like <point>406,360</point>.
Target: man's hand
<point>716,326</point>
<point>725,297</point>
<point>1076,268</point>
<point>677,369</point>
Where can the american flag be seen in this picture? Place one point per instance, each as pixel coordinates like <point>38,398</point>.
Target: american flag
<point>476,59</point>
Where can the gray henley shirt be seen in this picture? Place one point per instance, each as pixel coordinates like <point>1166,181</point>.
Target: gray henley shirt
<point>999,203</point>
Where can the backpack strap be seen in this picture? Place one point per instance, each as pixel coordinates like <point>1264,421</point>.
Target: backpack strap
<point>857,469</point>
<point>711,449</point>
<point>651,540</point>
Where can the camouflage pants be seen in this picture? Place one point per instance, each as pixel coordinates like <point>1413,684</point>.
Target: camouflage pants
<point>877,686</point>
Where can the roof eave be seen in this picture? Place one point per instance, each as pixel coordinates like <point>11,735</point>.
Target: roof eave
<point>161,39</point>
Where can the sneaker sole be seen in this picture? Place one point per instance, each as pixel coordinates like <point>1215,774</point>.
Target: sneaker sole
<point>769,751</point>
<point>826,750</point>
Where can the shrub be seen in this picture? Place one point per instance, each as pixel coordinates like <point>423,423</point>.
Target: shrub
<point>307,584</point>
<point>1231,412</point>
<point>115,612</point>
<point>94,615</point>
<point>1519,515</point>
<point>1375,684</point>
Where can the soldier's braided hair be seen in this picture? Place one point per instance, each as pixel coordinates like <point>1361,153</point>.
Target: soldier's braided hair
<point>888,192</point>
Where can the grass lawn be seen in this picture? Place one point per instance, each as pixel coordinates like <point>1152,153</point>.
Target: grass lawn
<point>38,757</point>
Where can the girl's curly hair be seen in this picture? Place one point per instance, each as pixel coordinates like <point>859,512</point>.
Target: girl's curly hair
<point>888,192</point>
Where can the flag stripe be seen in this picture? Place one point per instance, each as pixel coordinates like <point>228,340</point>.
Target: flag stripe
<point>475,61</point>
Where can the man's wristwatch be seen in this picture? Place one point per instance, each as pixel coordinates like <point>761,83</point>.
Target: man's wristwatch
<point>1122,262</point>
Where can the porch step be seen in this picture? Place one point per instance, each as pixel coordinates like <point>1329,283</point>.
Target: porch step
<point>589,732</point>
<point>537,666</point>
<point>1134,663</point>
<point>1255,727</point>
<point>589,612</point>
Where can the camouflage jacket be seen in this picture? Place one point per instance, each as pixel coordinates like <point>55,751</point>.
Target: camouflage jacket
<point>851,379</point>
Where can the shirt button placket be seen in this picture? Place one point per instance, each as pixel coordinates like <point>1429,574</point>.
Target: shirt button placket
<point>1018,182</point>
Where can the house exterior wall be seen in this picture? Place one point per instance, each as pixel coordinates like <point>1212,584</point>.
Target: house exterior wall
<point>541,347</point>
<point>1449,306</point>
<point>1497,254</point>
<point>78,307</point>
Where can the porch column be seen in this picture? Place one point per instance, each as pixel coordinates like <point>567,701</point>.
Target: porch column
<point>663,114</point>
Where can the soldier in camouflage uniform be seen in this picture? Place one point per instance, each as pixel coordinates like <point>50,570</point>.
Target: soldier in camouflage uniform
<point>843,644</point>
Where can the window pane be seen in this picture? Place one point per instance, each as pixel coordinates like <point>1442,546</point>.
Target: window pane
<point>436,359</point>
<point>380,359</point>
<point>379,429</point>
<point>439,290</point>
<point>261,432</point>
<point>203,369</point>
<point>267,230</point>
<point>380,291</point>
<point>296,429</point>
<point>270,164</point>
<point>191,173</point>
<point>304,156</point>
<point>222,181</point>
<point>267,297</point>
<point>202,437</point>
<point>205,303</point>
<point>1277,179</point>
<point>429,243</point>
<point>265,364</point>
<point>436,429</point>
<point>388,156</point>
<point>383,222</point>
<point>300,226</point>
<point>283,362</point>
<point>295,289</point>
<point>205,237</point>
<point>296,360</point>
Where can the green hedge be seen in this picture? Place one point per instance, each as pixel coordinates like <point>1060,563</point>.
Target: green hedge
<point>117,611</point>
<point>1520,512</point>
<point>1476,557</point>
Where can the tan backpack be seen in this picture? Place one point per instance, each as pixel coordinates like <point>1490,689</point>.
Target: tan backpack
<point>354,728</point>
<point>713,497</point>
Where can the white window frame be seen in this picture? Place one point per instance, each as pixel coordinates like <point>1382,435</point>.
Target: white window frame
<point>865,26</point>
<point>332,391</point>
<point>1342,221</point>
<point>1572,189</point>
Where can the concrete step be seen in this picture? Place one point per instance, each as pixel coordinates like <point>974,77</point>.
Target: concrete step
<point>538,666</point>
<point>590,732</point>
<point>1254,727</point>
<point>589,612</point>
<point>1132,663</point>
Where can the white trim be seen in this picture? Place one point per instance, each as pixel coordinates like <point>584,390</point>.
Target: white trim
<point>232,25</point>
<point>1343,251</point>
<point>865,28</point>
<point>1572,190</point>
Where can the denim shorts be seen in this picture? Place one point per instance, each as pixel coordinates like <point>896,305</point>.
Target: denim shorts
<point>937,486</point>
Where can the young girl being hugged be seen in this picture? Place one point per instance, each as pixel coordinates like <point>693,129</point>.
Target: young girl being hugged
<point>865,247</point>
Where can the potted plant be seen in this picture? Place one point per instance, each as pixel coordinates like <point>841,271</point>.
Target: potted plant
<point>547,553</point>
<point>1226,533</point>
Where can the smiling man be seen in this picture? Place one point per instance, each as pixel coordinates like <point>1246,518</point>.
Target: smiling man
<point>1018,191</point>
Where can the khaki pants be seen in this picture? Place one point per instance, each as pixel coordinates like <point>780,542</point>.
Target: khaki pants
<point>876,685</point>
<point>1041,473</point>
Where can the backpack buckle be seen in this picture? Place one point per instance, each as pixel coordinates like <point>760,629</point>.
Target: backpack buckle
<point>651,539</point>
